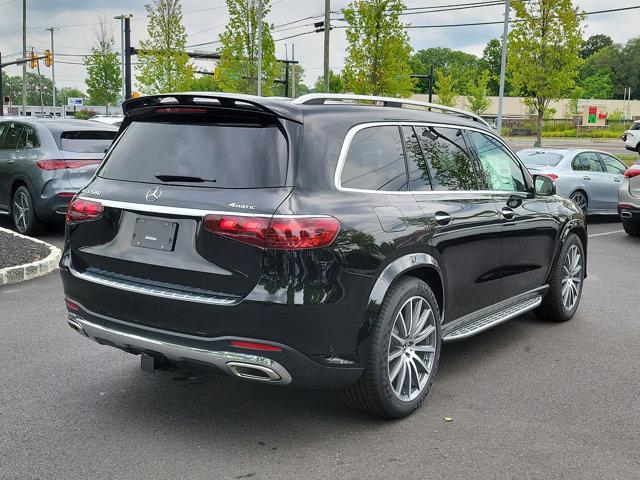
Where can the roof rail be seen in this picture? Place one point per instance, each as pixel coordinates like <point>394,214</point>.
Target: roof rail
<point>321,98</point>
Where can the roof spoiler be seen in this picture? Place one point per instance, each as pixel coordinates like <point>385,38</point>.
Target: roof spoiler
<point>248,103</point>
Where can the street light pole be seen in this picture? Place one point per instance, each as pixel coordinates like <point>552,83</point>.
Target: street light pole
<point>53,71</point>
<point>503,65</point>
<point>24,55</point>
<point>259,90</point>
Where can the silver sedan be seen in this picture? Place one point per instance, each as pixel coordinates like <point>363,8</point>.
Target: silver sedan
<point>590,178</point>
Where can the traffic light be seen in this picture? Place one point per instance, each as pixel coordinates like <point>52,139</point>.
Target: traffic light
<point>319,26</point>
<point>216,74</point>
<point>48,58</point>
<point>33,62</point>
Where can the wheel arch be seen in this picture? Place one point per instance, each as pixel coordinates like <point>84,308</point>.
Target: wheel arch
<point>418,265</point>
<point>15,184</point>
<point>578,227</point>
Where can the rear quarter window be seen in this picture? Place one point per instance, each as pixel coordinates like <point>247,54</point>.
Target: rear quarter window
<point>223,155</point>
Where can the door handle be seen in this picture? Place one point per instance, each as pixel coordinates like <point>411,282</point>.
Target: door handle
<point>586,178</point>
<point>617,180</point>
<point>443,218</point>
<point>508,213</point>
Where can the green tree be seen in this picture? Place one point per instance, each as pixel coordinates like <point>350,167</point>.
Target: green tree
<point>463,67</point>
<point>445,88</point>
<point>69,92</point>
<point>544,47</point>
<point>203,83</point>
<point>239,49</point>
<point>492,61</point>
<point>301,88</point>
<point>162,62</point>
<point>623,61</point>
<point>103,69</point>
<point>477,96</point>
<point>12,86</point>
<point>378,51</point>
<point>336,85</point>
<point>594,44</point>
<point>598,85</point>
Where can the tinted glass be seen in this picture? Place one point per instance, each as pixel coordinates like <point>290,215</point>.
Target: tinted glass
<point>532,159</point>
<point>636,126</point>
<point>12,137</point>
<point>3,127</point>
<point>587,162</point>
<point>449,163</point>
<point>613,165</point>
<point>500,170</point>
<point>225,156</point>
<point>418,171</point>
<point>30,138</point>
<point>375,160</point>
<point>86,141</point>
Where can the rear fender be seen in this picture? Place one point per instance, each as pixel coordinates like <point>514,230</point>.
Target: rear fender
<point>400,266</point>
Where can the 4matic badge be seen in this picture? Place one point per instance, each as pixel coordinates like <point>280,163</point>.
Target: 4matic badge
<point>239,205</point>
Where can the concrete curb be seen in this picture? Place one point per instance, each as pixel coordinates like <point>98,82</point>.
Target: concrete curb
<point>27,271</point>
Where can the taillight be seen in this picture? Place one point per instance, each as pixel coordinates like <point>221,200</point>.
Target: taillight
<point>62,164</point>
<point>632,172</point>
<point>81,210</point>
<point>283,233</point>
<point>552,176</point>
<point>71,305</point>
<point>265,347</point>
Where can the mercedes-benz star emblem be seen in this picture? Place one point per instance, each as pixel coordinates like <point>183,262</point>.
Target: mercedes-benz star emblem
<point>153,194</point>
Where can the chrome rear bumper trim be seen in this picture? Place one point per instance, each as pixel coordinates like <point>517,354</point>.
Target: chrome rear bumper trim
<point>227,361</point>
<point>153,290</point>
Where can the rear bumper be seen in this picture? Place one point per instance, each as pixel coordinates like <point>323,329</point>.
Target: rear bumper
<point>285,367</point>
<point>629,213</point>
<point>54,199</point>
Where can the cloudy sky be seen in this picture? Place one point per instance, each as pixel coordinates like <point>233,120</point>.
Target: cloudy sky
<point>205,19</point>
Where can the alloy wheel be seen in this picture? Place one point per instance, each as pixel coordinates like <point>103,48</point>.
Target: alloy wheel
<point>412,349</point>
<point>21,211</point>
<point>571,278</point>
<point>580,201</point>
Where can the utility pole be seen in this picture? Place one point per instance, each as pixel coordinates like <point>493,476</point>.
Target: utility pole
<point>24,55</point>
<point>259,90</point>
<point>293,72</point>
<point>1,89</point>
<point>503,65</point>
<point>53,71</point>
<point>127,56</point>
<point>327,29</point>
<point>39,83</point>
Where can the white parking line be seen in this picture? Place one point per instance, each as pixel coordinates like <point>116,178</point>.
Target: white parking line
<point>605,233</point>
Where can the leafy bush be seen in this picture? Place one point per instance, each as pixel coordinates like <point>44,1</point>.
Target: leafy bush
<point>601,133</point>
<point>84,114</point>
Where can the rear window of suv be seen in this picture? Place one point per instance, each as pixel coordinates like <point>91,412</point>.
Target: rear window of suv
<point>222,155</point>
<point>86,141</point>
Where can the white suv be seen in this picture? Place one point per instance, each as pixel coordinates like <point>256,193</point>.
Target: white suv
<point>631,137</point>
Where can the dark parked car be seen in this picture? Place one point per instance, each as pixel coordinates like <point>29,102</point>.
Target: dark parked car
<point>43,163</point>
<point>333,241</point>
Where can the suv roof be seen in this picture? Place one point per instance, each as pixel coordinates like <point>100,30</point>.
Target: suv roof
<point>385,108</point>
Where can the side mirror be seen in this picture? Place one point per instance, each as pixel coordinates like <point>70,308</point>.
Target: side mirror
<point>544,186</point>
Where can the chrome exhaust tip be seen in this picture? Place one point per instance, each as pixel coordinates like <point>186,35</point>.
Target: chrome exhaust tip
<point>251,371</point>
<point>625,214</point>
<point>77,326</point>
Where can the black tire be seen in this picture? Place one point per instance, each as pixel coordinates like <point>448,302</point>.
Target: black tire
<point>23,212</point>
<point>553,307</point>
<point>373,393</point>
<point>632,228</point>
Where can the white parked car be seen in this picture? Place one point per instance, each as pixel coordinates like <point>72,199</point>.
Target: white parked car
<point>631,137</point>
<point>115,120</point>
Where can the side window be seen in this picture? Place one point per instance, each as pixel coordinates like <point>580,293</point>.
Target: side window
<point>3,128</point>
<point>501,172</point>
<point>446,155</point>
<point>30,138</point>
<point>375,160</point>
<point>419,178</point>
<point>12,137</point>
<point>612,164</point>
<point>586,162</point>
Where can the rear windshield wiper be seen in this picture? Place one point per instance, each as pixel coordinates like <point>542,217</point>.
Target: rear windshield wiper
<point>182,178</point>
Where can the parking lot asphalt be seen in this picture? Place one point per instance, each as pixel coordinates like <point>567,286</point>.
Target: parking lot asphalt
<point>528,399</point>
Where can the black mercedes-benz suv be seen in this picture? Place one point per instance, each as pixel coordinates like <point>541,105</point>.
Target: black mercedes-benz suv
<point>332,241</point>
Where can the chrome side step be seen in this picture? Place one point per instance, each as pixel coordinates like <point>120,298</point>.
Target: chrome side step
<point>485,323</point>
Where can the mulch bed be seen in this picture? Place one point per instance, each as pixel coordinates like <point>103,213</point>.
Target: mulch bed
<point>17,250</point>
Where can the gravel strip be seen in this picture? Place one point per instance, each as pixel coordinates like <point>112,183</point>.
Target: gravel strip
<point>16,250</point>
